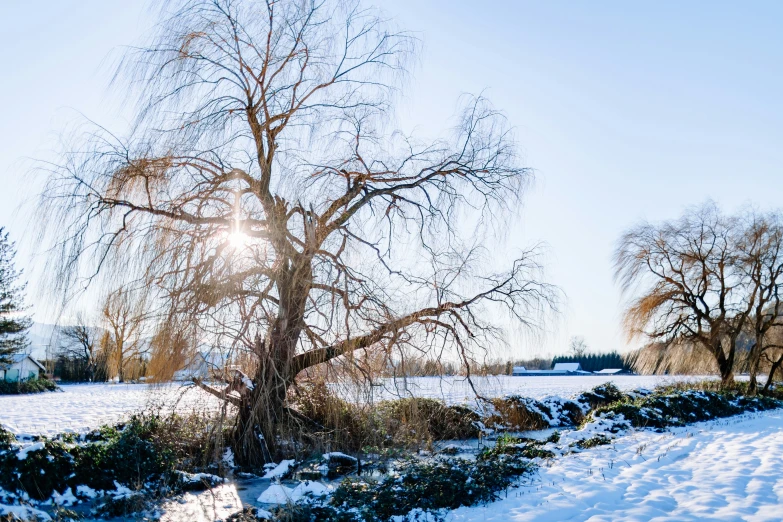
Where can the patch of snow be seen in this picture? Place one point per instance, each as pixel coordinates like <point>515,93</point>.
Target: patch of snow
<point>276,494</point>
<point>86,492</point>
<point>228,458</point>
<point>84,407</point>
<point>280,470</point>
<point>121,491</point>
<point>457,389</point>
<point>417,515</point>
<point>67,499</point>
<point>337,454</point>
<point>22,455</point>
<point>199,478</point>
<point>26,513</point>
<point>310,488</point>
<point>207,506</point>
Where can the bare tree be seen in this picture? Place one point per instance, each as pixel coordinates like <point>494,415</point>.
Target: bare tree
<point>78,343</point>
<point>761,261</point>
<point>691,285</point>
<point>578,346</point>
<point>265,199</point>
<point>125,321</point>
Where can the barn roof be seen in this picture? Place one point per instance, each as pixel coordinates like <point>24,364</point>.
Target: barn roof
<point>568,367</point>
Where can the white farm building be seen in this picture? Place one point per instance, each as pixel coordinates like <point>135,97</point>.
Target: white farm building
<point>559,369</point>
<point>21,368</point>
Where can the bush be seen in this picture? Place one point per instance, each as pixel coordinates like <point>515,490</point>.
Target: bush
<point>417,419</point>
<point>145,451</point>
<point>30,386</point>
<point>526,414</point>
<point>402,423</point>
<point>672,407</point>
<point>601,395</point>
<point>592,442</point>
<point>431,486</point>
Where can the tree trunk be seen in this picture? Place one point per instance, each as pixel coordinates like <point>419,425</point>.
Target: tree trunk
<point>725,363</point>
<point>775,366</point>
<point>262,413</point>
<point>753,369</point>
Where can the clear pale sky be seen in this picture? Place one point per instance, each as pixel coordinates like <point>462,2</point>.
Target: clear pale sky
<point>626,111</point>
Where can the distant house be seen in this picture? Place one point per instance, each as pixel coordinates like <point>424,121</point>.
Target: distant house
<point>196,368</point>
<point>202,365</point>
<point>559,369</point>
<point>21,368</point>
<point>613,371</point>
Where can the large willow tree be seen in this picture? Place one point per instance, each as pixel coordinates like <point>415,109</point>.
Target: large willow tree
<point>263,198</point>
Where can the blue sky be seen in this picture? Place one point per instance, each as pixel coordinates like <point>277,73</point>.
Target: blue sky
<point>626,111</point>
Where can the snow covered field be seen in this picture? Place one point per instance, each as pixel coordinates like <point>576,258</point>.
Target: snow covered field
<point>457,390</point>
<point>81,407</point>
<point>729,469</point>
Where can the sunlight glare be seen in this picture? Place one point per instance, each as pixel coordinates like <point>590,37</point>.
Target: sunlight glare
<point>238,239</point>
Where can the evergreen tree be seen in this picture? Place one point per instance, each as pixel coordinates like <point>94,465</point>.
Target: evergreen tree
<point>13,322</point>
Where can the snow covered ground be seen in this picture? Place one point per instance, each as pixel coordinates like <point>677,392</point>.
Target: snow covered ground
<point>729,469</point>
<point>724,470</point>
<point>81,407</point>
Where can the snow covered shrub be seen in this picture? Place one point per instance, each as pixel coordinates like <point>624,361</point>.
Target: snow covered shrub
<point>38,469</point>
<point>675,408</point>
<point>601,395</point>
<point>592,442</point>
<point>142,453</point>
<point>131,455</point>
<point>507,445</point>
<point>123,505</point>
<point>523,413</point>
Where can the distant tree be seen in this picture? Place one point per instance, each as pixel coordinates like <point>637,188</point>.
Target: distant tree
<point>13,321</point>
<point>78,343</point>
<point>595,362</point>
<point>578,346</point>
<point>125,320</point>
<point>708,280</point>
<point>690,285</point>
<point>760,259</point>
